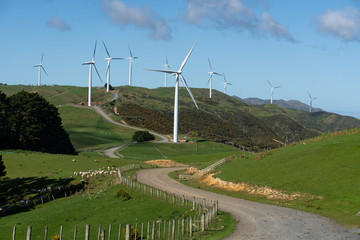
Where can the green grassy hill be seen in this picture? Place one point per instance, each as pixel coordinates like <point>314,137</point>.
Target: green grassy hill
<point>327,168</point>
<point>224,118</point>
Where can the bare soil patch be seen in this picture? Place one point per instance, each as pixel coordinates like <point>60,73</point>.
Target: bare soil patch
<point>165,163</point>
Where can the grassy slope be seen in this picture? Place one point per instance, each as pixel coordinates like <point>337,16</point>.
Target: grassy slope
<point>88,130</point>
<point>327,168</point>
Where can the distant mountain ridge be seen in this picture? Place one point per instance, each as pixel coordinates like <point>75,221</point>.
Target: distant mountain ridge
<point>291,104</point>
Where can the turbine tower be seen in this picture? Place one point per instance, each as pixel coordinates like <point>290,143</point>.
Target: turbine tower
<point>311,99</point>
<point>131,58</point>
<point>178,74</point>
<point>91,64</point>
<point>225,83</point>
<point>211,74</point>
<point>272,91</point>
<point>40,66</point>
<point>166,68</point>
<point>109,58</point>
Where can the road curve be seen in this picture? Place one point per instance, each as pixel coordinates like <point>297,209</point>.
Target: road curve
<point>255,220</point>
<point>164,139</point>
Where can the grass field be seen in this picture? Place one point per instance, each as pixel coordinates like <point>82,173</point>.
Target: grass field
<point>200,154</point>
<point>327,168</point>
<point>88,130</point>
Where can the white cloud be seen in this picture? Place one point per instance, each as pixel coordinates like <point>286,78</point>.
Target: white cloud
<point>224,14</point>
<point>268,24</point>
<point>343,24</point>
<point>143,18</point>
<point>59,24</point>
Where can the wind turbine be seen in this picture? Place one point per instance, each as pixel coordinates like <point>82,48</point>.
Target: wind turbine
<point>178,74</point>
<point>272,91</point>
<point>40,66</point>
<point>91,64</point>
<point>311,99</point>
<point>225,83</point>
<point>109,58</point>
<point>211,74</point>
<point>131,58</point>
<point>166,68</point>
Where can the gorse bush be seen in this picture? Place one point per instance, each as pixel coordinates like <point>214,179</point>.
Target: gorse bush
<point>124,195</point>
<point>142,136</point>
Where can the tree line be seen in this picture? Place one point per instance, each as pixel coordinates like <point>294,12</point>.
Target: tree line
<point>28,121</point>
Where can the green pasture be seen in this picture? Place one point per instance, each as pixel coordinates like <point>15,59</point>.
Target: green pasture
<point>89,130</point>
<point>198,153</point>
<point>328,169</point>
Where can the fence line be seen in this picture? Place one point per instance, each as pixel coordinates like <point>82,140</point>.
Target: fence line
<point>175,229</point>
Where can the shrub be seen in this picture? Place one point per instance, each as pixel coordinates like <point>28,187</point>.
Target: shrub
<point>123,194</point>
<point>142,136</point>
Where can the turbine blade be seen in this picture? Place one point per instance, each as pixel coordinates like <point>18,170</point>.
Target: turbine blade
<point>130,51</point>
<point>277,87</point>
<point>93,58</point>
<point>44,70</point>
<point>97,73</point>
<point>106,49</point>
<point>117,59</point>
<point>217,73</point>
<point>210,64</point>
<point>314,98</point>
<point>161,70</point>
<point>187,88</point>
<point>209,79</point>
<point>42,57</point>
<point>269,83</point>
<point>108,68</point>
<point>187,57</point>
<point>309,95</point>
<point>224,77</point>
<point>167,62</point>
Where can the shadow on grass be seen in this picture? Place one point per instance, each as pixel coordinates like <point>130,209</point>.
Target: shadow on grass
<point>22,194</point>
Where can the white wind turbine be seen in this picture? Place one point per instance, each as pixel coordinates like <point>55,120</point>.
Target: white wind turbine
<point>311,99</point>
<point>40,66</point>
<point>166,68</point>
<point>272,91</point>
<point>176,100</point>
<point>91,64</point>
<point>225,83</point>
<point>211,74</point>
<point>109,58</point>
<point>131,58</point>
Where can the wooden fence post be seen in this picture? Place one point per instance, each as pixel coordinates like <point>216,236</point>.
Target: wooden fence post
<point>14,233</point>
<point>28,234</point>
<point>142,231</point>
<point>136,228</point>
<point>87,232</point>
<point>75,232</point>
<point>164,229</point>
<point>203,222</point>
<point>190,227</point>
<point>109,236</point>
<point>182,228</point>
<point>103,235</point>
<point>99,232</point>
<point>119,233</point>
<point>153,231</point>
<point>193,203</point>
<point>148,232</point>
<point>45,234</point>
<point>128,230</point>
<point>169,230</point>
<point>61,232</point>
<point>173,230</point>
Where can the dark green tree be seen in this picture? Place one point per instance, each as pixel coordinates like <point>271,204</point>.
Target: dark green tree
<point>5,134</point>
<point>142,136</point>
<point>110,87</point>
<point>36,125</point>
<point>2,167</point>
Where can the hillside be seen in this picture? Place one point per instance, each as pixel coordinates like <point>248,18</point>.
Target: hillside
<point>292,104</point>
<point>222,118</point>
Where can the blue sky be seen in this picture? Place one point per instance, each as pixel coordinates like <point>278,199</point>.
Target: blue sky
<point>300,45</point>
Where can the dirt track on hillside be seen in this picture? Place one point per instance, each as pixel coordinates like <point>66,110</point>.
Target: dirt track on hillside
<point>256,220</point>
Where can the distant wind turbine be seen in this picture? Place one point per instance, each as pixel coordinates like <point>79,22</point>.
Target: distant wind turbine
<point>176,100</point>
<point>311,99</point>
<point>166,68</point>
<point>225,83</point>
<point>272,91</point>
<point>131,58</point>
<point>109,58</point>
<point>40,66</point>
<point>91,64</point>
<point>211,74</point>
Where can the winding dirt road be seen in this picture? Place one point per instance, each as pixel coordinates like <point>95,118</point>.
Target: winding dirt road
<point>256,220</point>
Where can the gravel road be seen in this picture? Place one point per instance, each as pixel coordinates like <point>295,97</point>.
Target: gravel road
<point>256,220</point>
